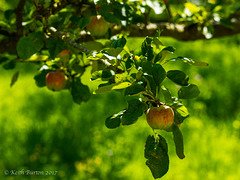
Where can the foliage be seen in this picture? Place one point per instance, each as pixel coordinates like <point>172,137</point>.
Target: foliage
<point>98,153</point>
<point>48,34</point>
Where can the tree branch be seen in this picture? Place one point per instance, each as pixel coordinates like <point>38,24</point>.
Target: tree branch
<point>72,43</point>
<point>19,15</point>
<point>179,32</point>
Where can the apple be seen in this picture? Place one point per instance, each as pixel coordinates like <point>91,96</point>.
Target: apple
<point>56,81</point>
<point>98,26</point>
<point>64,52</point>
<point>161,117</point>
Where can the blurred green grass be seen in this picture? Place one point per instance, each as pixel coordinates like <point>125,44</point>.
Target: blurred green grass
<point>42,130</point>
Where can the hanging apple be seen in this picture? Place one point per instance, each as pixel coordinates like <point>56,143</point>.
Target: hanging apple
<point>161,117</point>
<point>56,81</point>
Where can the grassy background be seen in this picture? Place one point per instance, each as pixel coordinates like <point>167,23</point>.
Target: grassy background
<point>42,130</point>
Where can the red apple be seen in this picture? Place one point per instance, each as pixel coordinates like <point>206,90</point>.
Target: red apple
<point>98,26</point>
<point>56,81</point>
<point>161,117</point>
<point>64,52</point>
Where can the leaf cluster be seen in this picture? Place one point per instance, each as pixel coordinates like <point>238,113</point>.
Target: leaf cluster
<point>49,35</point>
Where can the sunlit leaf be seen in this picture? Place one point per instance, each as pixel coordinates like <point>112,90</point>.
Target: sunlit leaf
<point>189,61</point>
<point>122,85</point>
<point>37,58</point>
<point>180,113</point>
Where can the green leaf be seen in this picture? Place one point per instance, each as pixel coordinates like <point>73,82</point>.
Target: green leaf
<point>10,64</point>
<point>96,75</point>
<point>158,57</point>
<point>151,85</point>
<point>55,46</point>
<point>148,40</point>
<point>170,49</point>
<point>114,121</point>
<point>156,153</point>
<point>123,77</point>
<point>121,85</point>
<point>3,59</point>
<point>189,61</point>
<point>108,15</point>
<point>188,92</point>
<point>93,45</point>
<point>14,78</point>
<point>27,46</point>
<point>156,70</point>
<point>109,87</point>
<point>134,89</point>
<point>40,77</point>
<point>24,48</point>
<point>166,94</point>
<point>158,33</point>
<point>147,49</point>
<point>135,109</point>
<point>114,51</point>
<point>107,74</point>
<point>178,140</point>
<point>37,58</point>
<point>178,77</point>
<point>121,42</point>
<point>129,62</point>
<point>163,53</point>
<point>150,53</point>
<point>105,88</point>
<point>80,92</point>
<point>83,22</point>
<point>180,113</point>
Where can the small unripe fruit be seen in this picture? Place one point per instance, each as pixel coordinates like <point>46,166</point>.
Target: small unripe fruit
<point>161,117</point>
<point>98,26</point>
<point>56,81</point>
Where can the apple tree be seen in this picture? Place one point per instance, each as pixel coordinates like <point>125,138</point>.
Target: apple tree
<point>61,37</point>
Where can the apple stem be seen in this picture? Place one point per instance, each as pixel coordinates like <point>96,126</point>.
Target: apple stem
<point>155,135</point>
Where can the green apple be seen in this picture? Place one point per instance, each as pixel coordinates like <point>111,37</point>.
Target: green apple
<point>98,26</point>
<point>56,81</point>
<point>161,117</point>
